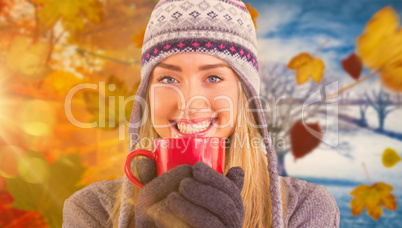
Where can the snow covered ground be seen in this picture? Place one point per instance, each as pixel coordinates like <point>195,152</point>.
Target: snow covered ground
<point>340,168</point>
<point>355,146</point>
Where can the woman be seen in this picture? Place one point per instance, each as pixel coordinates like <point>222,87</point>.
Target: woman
<point>199,58</point>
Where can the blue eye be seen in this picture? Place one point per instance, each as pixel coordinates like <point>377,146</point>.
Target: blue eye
<point>214,79</point>
<point>167,79</point>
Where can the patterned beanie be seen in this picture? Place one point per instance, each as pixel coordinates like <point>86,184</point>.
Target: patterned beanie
<point>222,28</point>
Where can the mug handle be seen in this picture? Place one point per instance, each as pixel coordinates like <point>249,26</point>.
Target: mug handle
<point>127,164</point>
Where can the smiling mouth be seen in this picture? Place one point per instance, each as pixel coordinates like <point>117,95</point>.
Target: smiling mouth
<point>185,129</point>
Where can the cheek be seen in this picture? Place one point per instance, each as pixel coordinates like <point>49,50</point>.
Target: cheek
<point>226,107</point>
<point>162,102</point>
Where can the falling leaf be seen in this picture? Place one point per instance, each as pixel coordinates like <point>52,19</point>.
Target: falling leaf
<point>48,195</point>
<point>307,66</point>
<point>352,65</point>
<point>254,13</point>
<point>378,34</point>
<point>380,47</point>
<point>391,76</point>
<point>372,198</point>
<point>302,141</point>
<point>390,157</point>
<point>29,60</point>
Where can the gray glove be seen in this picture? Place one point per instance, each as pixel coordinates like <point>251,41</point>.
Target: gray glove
<point>209,199</point>
<point>150,205</point>
<point>197,197</point>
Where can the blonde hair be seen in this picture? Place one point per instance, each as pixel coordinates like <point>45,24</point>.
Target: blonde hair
<point>251,158</point>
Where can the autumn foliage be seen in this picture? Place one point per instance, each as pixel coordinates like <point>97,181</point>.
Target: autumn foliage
<point>49,47</point>
<point>63,65</point>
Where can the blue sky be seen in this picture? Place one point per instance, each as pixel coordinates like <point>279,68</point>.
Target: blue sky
<point>287,27</point>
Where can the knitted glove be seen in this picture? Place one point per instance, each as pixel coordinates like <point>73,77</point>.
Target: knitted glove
<point>146,169</point>
<point>208,199</point>
<point>149,208</point>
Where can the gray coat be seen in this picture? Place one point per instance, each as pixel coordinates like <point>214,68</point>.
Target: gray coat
<point>307,205</point>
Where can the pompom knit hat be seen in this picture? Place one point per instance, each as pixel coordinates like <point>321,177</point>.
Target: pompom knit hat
<point>222,28</point>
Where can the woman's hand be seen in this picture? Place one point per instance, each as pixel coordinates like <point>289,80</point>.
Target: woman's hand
<point>150,205</point>
<point>188,196</point>
<point>208,199</point>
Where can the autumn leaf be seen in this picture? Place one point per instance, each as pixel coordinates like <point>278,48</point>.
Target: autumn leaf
<point>73,14</point>
<point>9,156</point>
<point>391,76</point>
<point>372,198</point>
<point>253,12</point>
<point>352,65</point>
<point>47,193</point>
<point>380,47</point>
<point>390,157</point>
<point>307,66</point>
<point>28,59</point>
<point>10,217</point>
<point>59,83</point>
<point>302,140</point>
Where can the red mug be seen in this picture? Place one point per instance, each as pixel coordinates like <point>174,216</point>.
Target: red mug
<point>172,152</point>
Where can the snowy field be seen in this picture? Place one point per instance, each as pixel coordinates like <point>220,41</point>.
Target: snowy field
<point>340,168</point>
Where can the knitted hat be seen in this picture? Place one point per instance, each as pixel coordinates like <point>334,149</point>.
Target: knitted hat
<point>222,28</point>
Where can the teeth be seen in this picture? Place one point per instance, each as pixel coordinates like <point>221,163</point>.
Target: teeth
<point>193,128</point>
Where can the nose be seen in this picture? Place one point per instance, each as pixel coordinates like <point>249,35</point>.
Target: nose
<point>193,100</point>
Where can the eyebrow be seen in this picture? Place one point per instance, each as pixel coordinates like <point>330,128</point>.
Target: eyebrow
<point>204,67</point>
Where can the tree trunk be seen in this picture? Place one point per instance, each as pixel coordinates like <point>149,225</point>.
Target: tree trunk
<point>381,119</point>
<point>362,122</point>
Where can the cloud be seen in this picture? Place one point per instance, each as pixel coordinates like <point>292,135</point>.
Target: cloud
<point>272,16</point>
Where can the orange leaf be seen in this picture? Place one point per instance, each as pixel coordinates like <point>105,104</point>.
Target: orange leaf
<point>352,65</point>
<point>253,12</point>
<point>391,76</point>
<point>372,197</point>
<point>10,217</point>
<point>376,45</point>
<point>306,67</point>
<point>380,47</point>
<point>302,141</point>
<point>28,59</point>
<point>390,157</point>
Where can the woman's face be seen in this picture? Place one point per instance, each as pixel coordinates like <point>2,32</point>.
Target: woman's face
<point>193,94</point>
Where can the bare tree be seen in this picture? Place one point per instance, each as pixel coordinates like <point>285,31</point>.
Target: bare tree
<point>285,100</point>
<point>363,108</point>
<point>382,104</point>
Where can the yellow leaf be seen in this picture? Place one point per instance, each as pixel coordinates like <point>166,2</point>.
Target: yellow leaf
<point>391,76</point>
<point>372,197</point>
<point>299,61</point>
<point>307,66</point>
<point>28,60</point>
<point>381,42</point>
<point>59,83</point>
<point>253,12</point>
<point>73,13</point>
<point>390,157</point>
